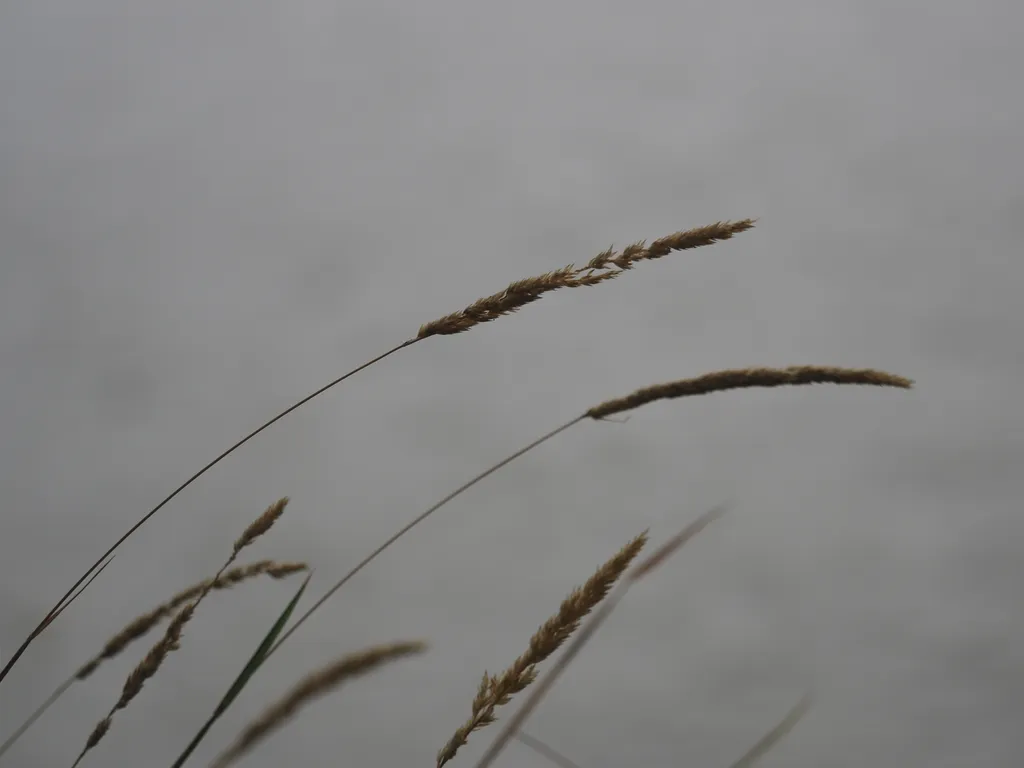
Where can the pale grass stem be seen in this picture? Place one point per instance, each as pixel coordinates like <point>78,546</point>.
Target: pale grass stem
<point>517,295</point>
<point>141,625</point>
<point>544,750</point>
<point>544,684</point>
<point>701,385</point>
<point>776,734</point>
<point>172,637</point>
<point>752,756</point>
<point>495,691</point>
<point>315,685</point>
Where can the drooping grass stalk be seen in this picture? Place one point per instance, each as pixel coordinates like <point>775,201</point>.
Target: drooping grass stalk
<point>581,638</point>
<point>603,267</point>
<point>701,385</point>
<point>171,640</point>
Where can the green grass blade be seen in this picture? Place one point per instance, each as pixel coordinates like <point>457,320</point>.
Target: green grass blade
<point>246,674</point>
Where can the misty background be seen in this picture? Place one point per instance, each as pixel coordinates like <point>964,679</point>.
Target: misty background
<point>208,210</point>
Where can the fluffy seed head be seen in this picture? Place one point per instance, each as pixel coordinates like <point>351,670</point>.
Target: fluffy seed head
<point>315,685</point>
<point>261,524</point>
<point>749,377</point>
<point>496,691</point>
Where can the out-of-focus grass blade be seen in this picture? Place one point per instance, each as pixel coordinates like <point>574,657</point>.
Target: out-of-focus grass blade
<point>243,678</point>
<point>776,734</point>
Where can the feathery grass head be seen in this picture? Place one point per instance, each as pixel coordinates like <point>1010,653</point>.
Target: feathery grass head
<point>141,625</point>
<point>315,685</point>
<point>748,377</point>
<point>148,666</point>
<point>679,241</point>
<point>145,670</point>
<point>260,525</point>
<point>596,271</point>
<point>515,723</point>
<point>172,637</point>
<point>495,691</point>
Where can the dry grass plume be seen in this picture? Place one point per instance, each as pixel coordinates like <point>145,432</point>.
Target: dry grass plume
<point>745,378</point>
<point>497,690</point>
<point>171,640</point>
<point>141,625</point>
<point>317,684</point>
<point>605,266</point>
<point>581,638</point>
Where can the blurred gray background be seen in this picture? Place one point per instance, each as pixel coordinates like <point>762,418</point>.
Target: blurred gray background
<point>208,210</point>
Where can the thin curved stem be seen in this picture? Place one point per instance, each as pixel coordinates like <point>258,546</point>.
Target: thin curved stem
<point>49,616</point>
<point>40,711</point>
<point>412,524</point>
<point>543,749</point>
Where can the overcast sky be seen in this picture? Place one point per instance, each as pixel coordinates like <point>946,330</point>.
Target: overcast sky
<point>209,209</point>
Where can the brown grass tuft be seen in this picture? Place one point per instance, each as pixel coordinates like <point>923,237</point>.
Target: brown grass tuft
<point>749,377</point>
<point>171,641</point>
<point>141,625</point>
<point>597,270</point>
<point>145,670</point>
<point>496,691</point>
<point>260,525</point>
<point>581,638</point>
<point>172,637</point>
<point>679,241</point>
<point>315,685</point>
<point>97,733</point>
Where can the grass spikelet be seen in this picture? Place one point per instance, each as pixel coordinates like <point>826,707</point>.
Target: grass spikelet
<point>314,686</point>
<point>172,637</point>
<point>141,625</point>
<point>515,723</point>
<point>513,298</point>
<point>145,670</point>
<point>745,378</point>
<point>596,271</point>
<point>260,525</point>
<point>679,241</point>
<point>171,641</point>
<point>494,692</point>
